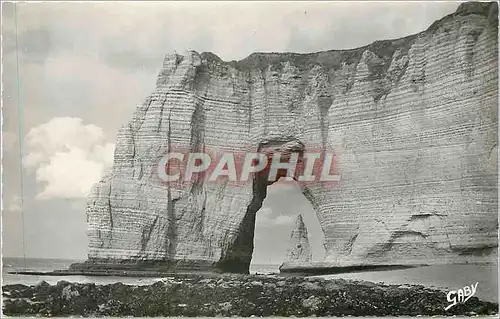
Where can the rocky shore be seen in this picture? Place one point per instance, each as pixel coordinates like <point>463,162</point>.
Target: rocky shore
<point>234,295</point>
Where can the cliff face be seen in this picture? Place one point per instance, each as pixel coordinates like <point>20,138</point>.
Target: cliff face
<point>300,249</point>
<point>413,122</point>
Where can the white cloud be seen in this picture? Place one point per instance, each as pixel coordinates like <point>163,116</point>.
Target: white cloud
<point>283,220</point>
<point>68,156</point>
<point>265,218</point>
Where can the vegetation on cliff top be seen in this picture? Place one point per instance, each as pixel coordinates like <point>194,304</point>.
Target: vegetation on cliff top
<point>333,59</point>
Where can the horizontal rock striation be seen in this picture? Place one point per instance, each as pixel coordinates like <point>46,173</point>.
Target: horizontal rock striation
<point>413,123</point>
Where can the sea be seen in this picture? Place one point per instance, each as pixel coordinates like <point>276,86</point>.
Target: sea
<point>443,277</point>
<point>10,264</point>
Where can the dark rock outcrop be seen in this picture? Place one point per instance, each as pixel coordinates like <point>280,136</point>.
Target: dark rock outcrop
<point>241,296</point>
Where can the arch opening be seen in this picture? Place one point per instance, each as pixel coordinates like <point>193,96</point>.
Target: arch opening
<point>238,256</point>
<point>275,222</point>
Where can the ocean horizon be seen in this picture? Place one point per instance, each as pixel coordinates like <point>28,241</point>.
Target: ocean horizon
<point>444,277</point>
<point>10,264</point>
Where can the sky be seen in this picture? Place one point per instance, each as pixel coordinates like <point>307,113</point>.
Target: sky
<point>84,67</point>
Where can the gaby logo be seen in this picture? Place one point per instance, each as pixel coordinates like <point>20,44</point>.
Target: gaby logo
<point>460,295</point>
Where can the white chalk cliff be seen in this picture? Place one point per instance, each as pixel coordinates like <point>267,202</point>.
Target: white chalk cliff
<point>413,123</point>
<point>300,250</point>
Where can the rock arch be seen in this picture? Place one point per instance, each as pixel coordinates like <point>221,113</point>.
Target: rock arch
<point>417,185</point>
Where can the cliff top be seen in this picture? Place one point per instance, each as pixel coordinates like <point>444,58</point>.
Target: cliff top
<point>334,58</point>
